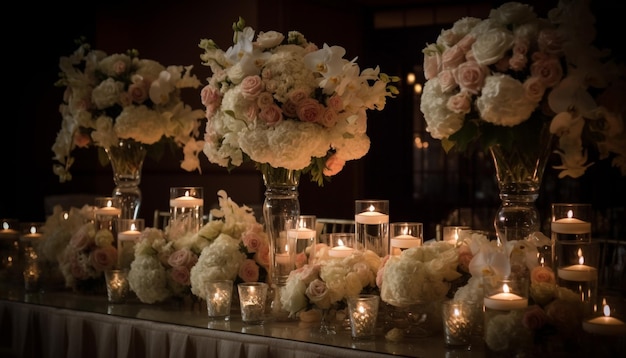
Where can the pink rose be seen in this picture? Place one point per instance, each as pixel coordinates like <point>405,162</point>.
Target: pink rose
<point>452,57</point>
<point>471,76</point>
<point>290,109</point>
<point>262,256</point>
<point>309,110</point>
<point>318,294</point>
<point>182,258</point>
<point>119,67</point>
<point>333,165</point>
<point>432,65</point>
<point>180,274</point>
<point>534,317</point>
<point>249,271</point>
<point>551,42</point>
<point>547,68</point>
<point>542,274</point>
<point>271,114</point>
<point>518,62</point>
<point>335,102</point>
<point>210,96</point>
<point>138,92</point>
<point>459,103</point>
<point>503,64</point>
<point>301,259</point>
<point>252,240</point>
<point>298,95</point>
<point>447,81</point>
<point>308,273</point>
<point>534,89</point>
<point>251,87</point>
<point>264,99</point>
<point>81,140</point>
<point>465,44</point>
<point>251,112</point>
<point>103,258</point>
<point>328,118</point>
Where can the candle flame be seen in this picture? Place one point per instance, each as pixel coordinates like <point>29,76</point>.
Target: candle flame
<point>340,242</point>
<point>286,248</point>
<point>33,230</point>
<point>187,193</point>
<point>133,227</point>
<point>66,216</point>
<point>570,214</point>
<point>606,310</point>
<point>581,258</point>
<point>457,312</point>
<point>109,203</point>
<point>505,288</point>
<point>5,225</point>
<point>371,208</point>
<point>405,231</point>
<point>361,309</point>
<point>541,261</point>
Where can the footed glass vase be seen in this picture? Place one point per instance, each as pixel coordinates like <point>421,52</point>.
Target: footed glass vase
<point>127,162</point>
<point>519,172</point>
<point>280,209</point>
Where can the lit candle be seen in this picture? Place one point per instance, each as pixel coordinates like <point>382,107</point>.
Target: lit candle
<point>32,234</point>
<point>405,241</point>
<point>371,217</point>
<point>129,235</point>
<point>7,232</point>
<point>580,272</point>
<point>340,250</point>
<point>108,210</point>
<point>302,233</point>
<point>570,225</point>
<point>186,201</point>
<point>451,234</point>
<point>283,257</point>
<point>505,300</point>
<point>605,325</point>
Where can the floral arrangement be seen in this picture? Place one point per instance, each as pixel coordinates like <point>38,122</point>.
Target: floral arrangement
<point>232,246</point>
<point>286,103</point>
<point>328,282</point>
<point>419,274</point>
<point>88,254</point>
<point>499,80</point>
<point>59,228</point>
<point>121,96</point>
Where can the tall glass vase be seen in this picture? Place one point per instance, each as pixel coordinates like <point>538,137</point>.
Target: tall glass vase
<point>280,209</point>
<point>519,171</point>
<point>127,162</point>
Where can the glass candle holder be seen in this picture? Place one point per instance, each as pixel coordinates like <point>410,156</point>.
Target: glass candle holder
<point>186,210</point>
<point>371,219</point>
<point>10,250</point>
<point>341,244</point>
<point>302,240</point>
<point>571,222</point>
<point>128,235</point>
<point>219,298</point>
<point>577,265</point>
<point>106,214</point>
<point>117,285</point>
<point>363,311</point>
<point>452,234</point>
<point>605,321</point>
<point>252,299</point>
<point>457,323</point>
<point>404,236</point>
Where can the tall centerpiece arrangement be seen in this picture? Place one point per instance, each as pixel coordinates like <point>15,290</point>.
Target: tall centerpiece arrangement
<point>290,107</point>
<point>519,87</point>
<point>127,107</point>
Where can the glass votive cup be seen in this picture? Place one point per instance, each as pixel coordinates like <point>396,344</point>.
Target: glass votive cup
<point>457,323</point>
<point>219,298</point>
<point>404,235</point>
<point>571,221</point>
<point>129,232</point>
<point>452,234</point>
<point>252,299</point>
<point>577,267</point>
<point>117,285</point>
<point>363,311</point>
<point>341,244</point>
<point>301,240</point>
<point>31,274</point>
<point>371,219</point>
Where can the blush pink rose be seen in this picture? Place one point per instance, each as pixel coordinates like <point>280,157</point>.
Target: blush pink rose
<point>328,118</point>
<point>81,140</point>
<point>210,95</point>
<point>103,258</point>
<point>551,41</point>
<point>249,271</point>
<point>309,110</point>
<point>542,274</point>
<point>534,88</point>
<point>447,81</point>
<point>470,76</point>
<point>264,99</point>
<point>459,103</point>
<point>290,109</point>
<point>182,258</point>
<point>548,69</point>
<point>83,237</point>
<point>262,256</point>
<point>251,87</point>
<point>452,57</point>
<point>534,317</point>
<point>252,240</point>
<point>318,294</point>
<point>271,114</point>
<point>138,92</point>
<point>465,44</point>
<point>335,102</point>
<point>518,62</point>
<point>308,273</point>
<point>298,95</point>
<point>180,274</point>
<point>432,65</point>
<point>333,165</point>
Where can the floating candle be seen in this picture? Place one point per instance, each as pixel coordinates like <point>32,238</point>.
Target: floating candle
<point>570,225</point>
<point>605,325</point>
<point>186,201</point>
<point>340,250</point>
<point>580,272</point>
<point>505,300</point>
<point>371,218</point>
<point>301,233</point>
<point>108,210</point>
<point>405,241</point>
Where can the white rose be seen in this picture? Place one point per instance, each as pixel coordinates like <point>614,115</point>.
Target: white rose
<point>504,102</point>
<point>269,39</point>
<point>492,45</point>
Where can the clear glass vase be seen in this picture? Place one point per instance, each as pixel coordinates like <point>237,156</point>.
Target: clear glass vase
<point>127,162</point>
<point>519,172</point>
<point>280,208</point>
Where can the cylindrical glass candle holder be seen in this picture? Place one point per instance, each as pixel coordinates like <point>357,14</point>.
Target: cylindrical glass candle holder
<point>457,323</point>
<point>371,219</point>
<point>363,311</point>
<point>302,240</point>
<point>117,285</point>
<point>505,301</point>
<point>341,244</point>
<point>404,235</point>
<point>107,212</point>
<point>252,299</point>
<point>571,222</point>
<point>10,250</point>
<point>577,265</point>
<point>128,235</point>
<point>606,320</point>
<point>452,234</point>
<point>186,210</point>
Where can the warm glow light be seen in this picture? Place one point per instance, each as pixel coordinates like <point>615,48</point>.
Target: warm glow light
<point>505,288</point>
<point>581,258</point>
<point>187,193</point>
<point>570,214</point>
<point>33,230</point>
<point>371,208</point>
<point>133,227</point>
<point>417,88</point>
<point>340,242</point>
<point>419,144</point>
<point>410,78</point>
<point>109,204</point>
<point>606,309</point>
